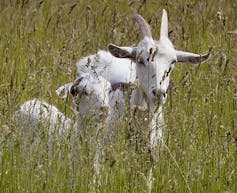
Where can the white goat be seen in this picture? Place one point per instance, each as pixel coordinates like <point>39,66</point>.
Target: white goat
<point>90,96</point>
<point>151,62</point>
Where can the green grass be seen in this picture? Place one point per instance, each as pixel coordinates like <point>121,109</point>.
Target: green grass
<point>40,42</point>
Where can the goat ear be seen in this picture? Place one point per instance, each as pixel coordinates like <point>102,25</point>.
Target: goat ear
<point>74,87</point>
<point>187,57</point>
<point>64,90</point>
<point>122,52</point>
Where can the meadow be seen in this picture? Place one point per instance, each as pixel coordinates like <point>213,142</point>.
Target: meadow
<point>40,42</point>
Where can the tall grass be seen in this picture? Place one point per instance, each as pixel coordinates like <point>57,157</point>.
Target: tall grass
<point>40,41</point>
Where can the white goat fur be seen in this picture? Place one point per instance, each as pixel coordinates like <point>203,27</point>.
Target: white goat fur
<point>106,65</point>
<point>36,116</point>
<point>35,113</point>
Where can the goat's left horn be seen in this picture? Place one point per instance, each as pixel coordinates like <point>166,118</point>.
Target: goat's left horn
<point>143,25</point>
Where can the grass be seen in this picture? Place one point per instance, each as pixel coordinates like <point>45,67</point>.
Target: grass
<point>40,42</point>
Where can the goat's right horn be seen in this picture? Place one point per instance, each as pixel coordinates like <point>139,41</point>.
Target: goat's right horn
<point>143,25</point>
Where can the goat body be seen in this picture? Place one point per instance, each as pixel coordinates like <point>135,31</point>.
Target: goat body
<point>35,113</point>
<point>113,69</point>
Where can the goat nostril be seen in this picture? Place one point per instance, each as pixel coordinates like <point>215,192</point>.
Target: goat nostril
<point>154,92</point>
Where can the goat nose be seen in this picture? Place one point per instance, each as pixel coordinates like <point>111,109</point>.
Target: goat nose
<point>156,92</point>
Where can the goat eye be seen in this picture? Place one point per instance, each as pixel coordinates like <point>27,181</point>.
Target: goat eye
<point>84,92</point>
<point>143,63</point>
<point>73,91</point>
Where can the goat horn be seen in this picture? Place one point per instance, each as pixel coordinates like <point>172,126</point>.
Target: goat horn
<point>143,25</point>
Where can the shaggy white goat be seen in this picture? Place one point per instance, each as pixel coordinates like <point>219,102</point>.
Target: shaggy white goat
<point>151,62</point>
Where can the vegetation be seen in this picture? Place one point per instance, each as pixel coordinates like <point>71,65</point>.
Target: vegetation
<point>40,42</point>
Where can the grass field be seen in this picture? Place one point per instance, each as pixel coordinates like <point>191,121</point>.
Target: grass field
<point>40,42</point>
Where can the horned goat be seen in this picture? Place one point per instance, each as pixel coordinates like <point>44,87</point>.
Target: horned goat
<point>151,62</point>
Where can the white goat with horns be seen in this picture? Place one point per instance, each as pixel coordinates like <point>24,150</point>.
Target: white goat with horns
<point>151,62</point>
